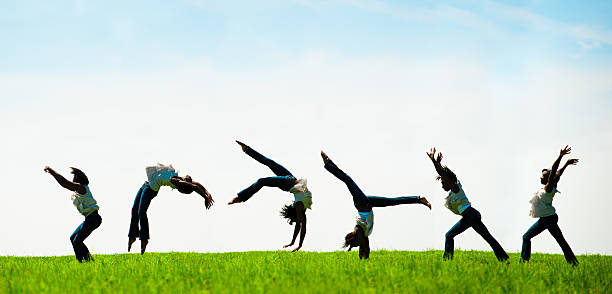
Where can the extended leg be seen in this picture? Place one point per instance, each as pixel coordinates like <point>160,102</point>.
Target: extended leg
<point>533,231</point>
<point>276,168</point>
<point>360,200</point>
<point>283,182</point>
<point>134,231</point>
<point>482,230</point>
<point>555,231</point>
<point>449,245</point>
<point>377,201</point>
<point>145,200</point>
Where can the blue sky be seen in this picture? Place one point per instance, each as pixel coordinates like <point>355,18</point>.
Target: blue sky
<point>112,87</point>
<point>86,36</point>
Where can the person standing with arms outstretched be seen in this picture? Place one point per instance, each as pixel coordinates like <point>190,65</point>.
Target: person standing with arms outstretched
<point>359,237</point>
<point>458,203</point>
<point>541,208</point>
<point>284,180</point>
<point>158,176</point>
<point>85,204</point>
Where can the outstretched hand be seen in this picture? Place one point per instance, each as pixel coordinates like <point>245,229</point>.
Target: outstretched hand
<point>242,145</point>
<point>48,169</point>
<point>432,154</point>
<point>566,150</point>
<point>439,158</point>
<point>208,200</point>
<point>572,161</point>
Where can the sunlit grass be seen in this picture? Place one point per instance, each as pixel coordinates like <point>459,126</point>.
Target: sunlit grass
<point>305,272</point>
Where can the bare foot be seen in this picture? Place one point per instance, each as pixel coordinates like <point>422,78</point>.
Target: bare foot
<point>290,244</point>
<point>325,157</point>
<point>425,202</point>
<point>131,241</point>
<point>242,145</point>
<point>143,246</point>
<point>234,201</point>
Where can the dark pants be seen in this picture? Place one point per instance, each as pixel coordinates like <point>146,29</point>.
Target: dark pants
<point>139,212</point>
<point>471,218</point>
<point>360,200</point>
<point>547,223</point>
<point>283,180</point>
<point>92,222</point>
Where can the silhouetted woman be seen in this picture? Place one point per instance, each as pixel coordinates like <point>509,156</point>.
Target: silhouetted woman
<point>458,203</point>
<point>541,208</point>
<point>85,204</point>
<point>158,176</point>
<point>284,180</point>
<point>359,237</point>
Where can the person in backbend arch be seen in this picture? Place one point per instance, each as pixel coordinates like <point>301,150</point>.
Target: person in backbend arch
<point>458,203</point>
<point>541,207</point>
<point>359,237</point>
<point>158,176</point>
<point>284,180</point>
<point>85,204</point>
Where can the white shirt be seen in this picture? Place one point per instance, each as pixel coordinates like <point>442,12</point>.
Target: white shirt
<point>541,203</point>
<point>366,221</point>
<point>457,202</point>
<point>300,193</point>
<point>160,175</point>
<point>85,203</point>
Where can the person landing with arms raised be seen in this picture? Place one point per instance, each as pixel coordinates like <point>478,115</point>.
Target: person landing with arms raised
<point>85,204</point>
<point>458,203</point>
<point>541,208</point>
<point>158,176</point>
<point>359,237</point>
<point>284,180</point>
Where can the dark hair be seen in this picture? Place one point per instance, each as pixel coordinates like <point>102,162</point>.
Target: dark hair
<point>288,212</point>
<point>449,173</point>
<point>79,176</point>
<point>182,187</point>
<point>350,240</point>
<point>545,170</point>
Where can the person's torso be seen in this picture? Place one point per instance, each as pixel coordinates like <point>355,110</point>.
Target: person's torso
<point>541,203</point>
<point>160,175</point>
<point>300,193</point>
<point>366,221</point>
<point>85,203</point>
<point>457,202</point>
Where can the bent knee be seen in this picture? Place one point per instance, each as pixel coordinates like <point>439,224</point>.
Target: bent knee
<point>526,237</point>
<point>449,236</point>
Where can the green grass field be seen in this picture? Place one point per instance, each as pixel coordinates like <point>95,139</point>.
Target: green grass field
<point>305,272</point>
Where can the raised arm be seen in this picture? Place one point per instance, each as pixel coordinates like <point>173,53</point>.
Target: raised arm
<point>72,186</point>
<point>552,173</point>
<point>437,162</point>
<point>569,162</point>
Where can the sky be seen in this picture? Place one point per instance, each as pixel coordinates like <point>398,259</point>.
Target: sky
<point>112,87</point>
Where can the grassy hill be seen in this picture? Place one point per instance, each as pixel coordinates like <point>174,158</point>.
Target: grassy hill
<point>305,272</point>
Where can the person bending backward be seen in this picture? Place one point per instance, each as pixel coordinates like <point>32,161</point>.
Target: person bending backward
<point>365,216</point>
<point>284,180</point>
<point>541,207</point>
<point>158,176</point>
<point>458,203</point>
<point>85,204</point>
